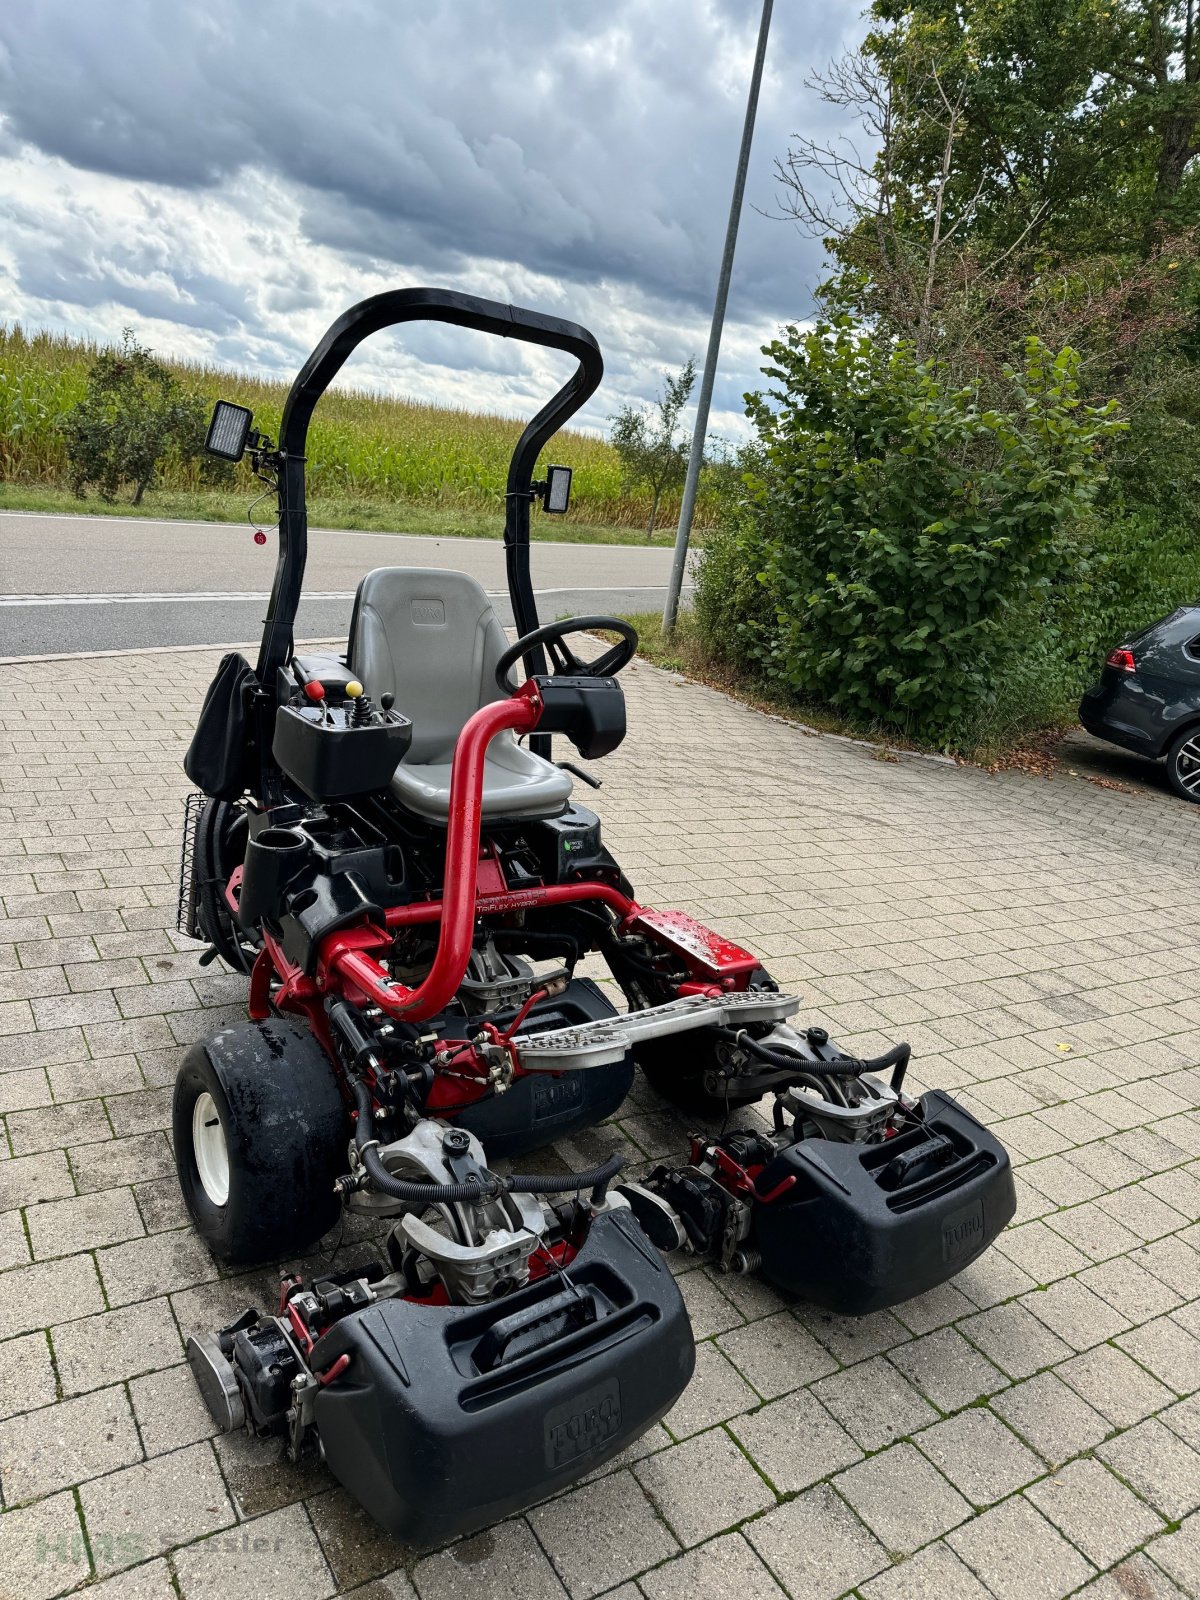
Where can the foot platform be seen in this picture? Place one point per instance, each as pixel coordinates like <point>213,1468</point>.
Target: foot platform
<point>595,1044</point>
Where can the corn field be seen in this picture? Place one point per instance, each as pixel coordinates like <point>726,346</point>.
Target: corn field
<point>364,446</point>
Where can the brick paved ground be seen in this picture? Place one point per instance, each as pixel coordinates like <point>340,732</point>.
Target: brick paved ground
<point>1025,1432</point>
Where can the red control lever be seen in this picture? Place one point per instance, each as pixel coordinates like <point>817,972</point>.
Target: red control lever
<point>315,690</point>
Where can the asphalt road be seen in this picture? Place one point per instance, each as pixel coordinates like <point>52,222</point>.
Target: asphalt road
<point>80,584</point>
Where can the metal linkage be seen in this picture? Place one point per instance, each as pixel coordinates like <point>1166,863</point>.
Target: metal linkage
<point>595,1044</point>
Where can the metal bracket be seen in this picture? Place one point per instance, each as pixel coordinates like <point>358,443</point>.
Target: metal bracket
<point>596,1044</point>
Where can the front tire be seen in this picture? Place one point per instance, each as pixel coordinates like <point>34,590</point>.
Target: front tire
<point>1183,765</point>
<point>260,1132</point>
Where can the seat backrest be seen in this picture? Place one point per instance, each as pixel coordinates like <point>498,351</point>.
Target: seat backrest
<point>430,637</point>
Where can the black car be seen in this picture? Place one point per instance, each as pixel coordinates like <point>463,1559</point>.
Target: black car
<point>1148,698</point>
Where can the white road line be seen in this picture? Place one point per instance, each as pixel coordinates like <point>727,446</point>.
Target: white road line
<point>215,597</point>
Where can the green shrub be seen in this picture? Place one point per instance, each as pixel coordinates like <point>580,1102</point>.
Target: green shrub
<point>904,538</point>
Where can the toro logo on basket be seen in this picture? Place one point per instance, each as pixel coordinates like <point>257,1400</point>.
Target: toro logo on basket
<point>428,611</point>
<point>962,1232</point>
<point>556,1097</point>
<point>583,1424</point>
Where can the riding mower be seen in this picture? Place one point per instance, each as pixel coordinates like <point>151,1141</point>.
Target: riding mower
<point>409,889</point>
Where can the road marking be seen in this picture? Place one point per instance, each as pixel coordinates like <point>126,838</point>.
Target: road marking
<point>215,597</point>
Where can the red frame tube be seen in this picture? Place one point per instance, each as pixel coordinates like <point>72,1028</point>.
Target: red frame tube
<point>459,906</point>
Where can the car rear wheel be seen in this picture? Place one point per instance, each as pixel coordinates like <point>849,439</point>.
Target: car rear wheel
<point>1183,765</point>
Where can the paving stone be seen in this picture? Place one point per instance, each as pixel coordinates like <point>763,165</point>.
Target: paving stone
<point>816,1546</point>
<point>1041,1252</point>
<point>934,1573</point>
<point>274,1557</point>
<point>874,1403</point>
<point>1095,1511</point>
<point>51,1127</point>
<point>947,1370</point>
<point>1080,1318</point>
<point>902,1499</point>
<point>505,1562</point>
<point>1178,1554</point>
<point>123,1161</point>
<point>61,1226</point>
<point>41,1451</point>
<point>42,1549</point>
<point>852,1339</point>
<point>14,1247</point>
<point>1159,1465</point>
<point>1019,1555</point>
<point>143,1510</point>
<point>87,1080</point>
<point>716,1393</point>
<point>155,1265</point>
<point>150,1581</point>
<point>260,1477</point>
<point>356,1548</point>
<point>115,1345</point>
<point>1013,1338</point>
<point>170,1410</point>
<point>1136,1293</point>
<point>795,1442</point>
<point>725,1569</point>
<point>1183,1418</point>
<point>1114,1385</point>
<point>27,1180</point>
<point>1168,1350</point>
<point>708,1309</point>
<point>601,1534</point>
<point>980,1456</point>
<point>1051,1417</point>
<point>26,1374</point>
<point>934,1309</point>
<point>777,1354</point>
<point>1135,1579</point>
<point>160,1205</point>
<point>703,1486</point>
<point>46,1292</point>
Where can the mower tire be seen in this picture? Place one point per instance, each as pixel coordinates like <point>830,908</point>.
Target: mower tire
<point>261,1133</point>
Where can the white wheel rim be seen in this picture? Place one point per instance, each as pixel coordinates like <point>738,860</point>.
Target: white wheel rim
<point>1187,766</point>
<point>212,1153</point>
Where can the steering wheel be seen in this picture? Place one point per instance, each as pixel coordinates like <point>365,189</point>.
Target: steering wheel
<point>566,662</point>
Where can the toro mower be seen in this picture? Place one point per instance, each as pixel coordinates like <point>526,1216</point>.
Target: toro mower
<point>385,845</point>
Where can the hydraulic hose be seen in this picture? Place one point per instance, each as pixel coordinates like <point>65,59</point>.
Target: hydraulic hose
<point>596,1179</point>
<point>837,1067</point>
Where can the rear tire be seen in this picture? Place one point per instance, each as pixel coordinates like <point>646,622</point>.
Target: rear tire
<point>261,1132</point>
<point>1183,765</point>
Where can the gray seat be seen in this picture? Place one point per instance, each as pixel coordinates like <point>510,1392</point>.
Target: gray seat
<point>431,638</point>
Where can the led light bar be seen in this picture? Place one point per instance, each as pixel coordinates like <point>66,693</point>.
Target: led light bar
<point>558,490</point>
<point>228,431</point>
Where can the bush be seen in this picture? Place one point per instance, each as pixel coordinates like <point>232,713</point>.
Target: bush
<point>133,413</point>
<point>904,538</point>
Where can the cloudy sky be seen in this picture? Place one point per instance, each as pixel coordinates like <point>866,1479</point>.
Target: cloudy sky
<point>227,177</point>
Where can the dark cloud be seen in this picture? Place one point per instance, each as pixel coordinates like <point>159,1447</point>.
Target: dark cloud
<point>590,149</point>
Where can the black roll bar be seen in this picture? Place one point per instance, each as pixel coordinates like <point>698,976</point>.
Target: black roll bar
<point>318,372</point>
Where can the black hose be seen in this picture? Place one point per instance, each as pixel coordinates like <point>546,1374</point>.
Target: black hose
<point>596,1179</point>
<point>837,1067</point>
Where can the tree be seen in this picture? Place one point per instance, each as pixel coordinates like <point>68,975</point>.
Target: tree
<point>133,412</point>
<point>651,456</point>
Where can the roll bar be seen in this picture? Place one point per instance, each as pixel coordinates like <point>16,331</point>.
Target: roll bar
<point>318,372</point>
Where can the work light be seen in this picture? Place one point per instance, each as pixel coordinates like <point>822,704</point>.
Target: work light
<point>228,431</point>
<point>557,495</point>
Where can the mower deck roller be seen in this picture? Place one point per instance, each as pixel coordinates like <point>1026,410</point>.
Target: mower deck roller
<point>383,845</point>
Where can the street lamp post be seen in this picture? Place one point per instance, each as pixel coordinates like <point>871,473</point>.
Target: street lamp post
<point>688,506</point>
